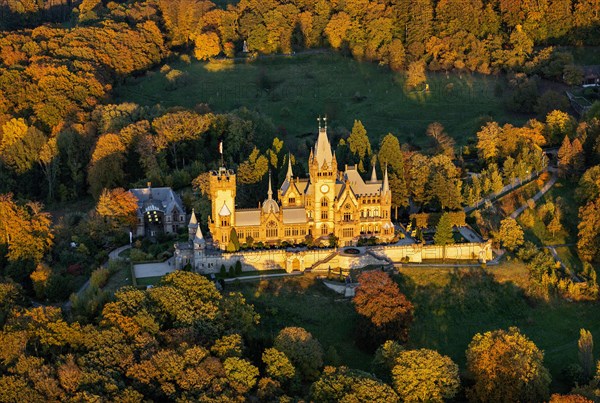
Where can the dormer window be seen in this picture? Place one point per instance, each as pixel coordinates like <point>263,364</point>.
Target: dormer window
<point>292,200</point>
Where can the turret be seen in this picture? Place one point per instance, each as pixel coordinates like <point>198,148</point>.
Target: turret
<point>192,226</point>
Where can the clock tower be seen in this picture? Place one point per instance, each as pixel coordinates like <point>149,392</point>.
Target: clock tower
<point>323,176</point>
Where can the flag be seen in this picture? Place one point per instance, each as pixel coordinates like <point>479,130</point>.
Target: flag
<point>221,147</point>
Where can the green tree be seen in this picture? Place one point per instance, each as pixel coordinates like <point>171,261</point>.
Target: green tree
<point>585,345</point>
<point>425,376</point>
<point>234,243</point>
<point>508,367</point>
<point>359,144</point>
<point>510,234</point>
<point>443,231</point>
<point>385,359</point>
<point>305,352</point>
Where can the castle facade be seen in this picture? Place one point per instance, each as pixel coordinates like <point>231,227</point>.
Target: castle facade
<point>328,202</point>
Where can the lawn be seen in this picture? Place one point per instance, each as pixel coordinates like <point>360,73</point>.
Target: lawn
<point>451,306</point>
<point>294,90</point>
<point>305,302</point>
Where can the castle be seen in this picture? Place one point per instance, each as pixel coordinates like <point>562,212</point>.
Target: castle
<point>328,202</point>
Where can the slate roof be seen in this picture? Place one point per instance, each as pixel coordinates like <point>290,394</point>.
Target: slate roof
<point>295,215</point>
<point>248,217</point>
<point>164,199</point>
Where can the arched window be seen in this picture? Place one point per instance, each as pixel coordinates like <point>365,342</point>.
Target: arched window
<point>272,229</point>
<point>324,202</point>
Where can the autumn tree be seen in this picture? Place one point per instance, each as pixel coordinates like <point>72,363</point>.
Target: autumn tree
<point>488,139</point>
<point>506,366</point>
<point>278,366</point>
<point>510,234</point>
<point>588,242</point>
<point>304,352</point>
<point>24,229</point>
<point>174,128</point>
<point>106,166</point>
<point>385,312</point>
<point>207,45</point>
<point>425,376</point>
<point>415,76</point>
<point>118,206</point>
<point>342,384</point>
<point>444,143</point>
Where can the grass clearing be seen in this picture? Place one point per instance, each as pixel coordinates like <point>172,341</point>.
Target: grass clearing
<point>304,301</point>
<point>294,90</point>
<point>146,281</point>
<point>452,305</point>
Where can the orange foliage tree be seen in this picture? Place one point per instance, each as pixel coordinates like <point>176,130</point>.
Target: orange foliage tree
<point>118,206</point>
<point>386,313</point>
<point>24,229</point>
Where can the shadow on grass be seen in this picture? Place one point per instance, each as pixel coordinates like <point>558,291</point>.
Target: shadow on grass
<point>449,313</point>
<point>304,302</point>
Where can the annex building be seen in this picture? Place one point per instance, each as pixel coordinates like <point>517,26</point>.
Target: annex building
<point>160,210</point>
<point>328,202</point>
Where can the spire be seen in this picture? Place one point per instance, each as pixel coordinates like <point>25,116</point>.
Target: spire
<point>386,183</point>
<point>199,238</point>
<point>323,152</point>
<point>289,171</point>
<point>270,192</point>
<point>374,174</point>
<point>193,220</point>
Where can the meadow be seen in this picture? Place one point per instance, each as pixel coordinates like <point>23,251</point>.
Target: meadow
<point>451,306</point>
<point>294,90</point>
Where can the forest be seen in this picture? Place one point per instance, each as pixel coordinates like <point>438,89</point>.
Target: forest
<point>68,150</point>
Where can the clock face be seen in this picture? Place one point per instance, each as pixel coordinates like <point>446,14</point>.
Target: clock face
<point>324,188</point>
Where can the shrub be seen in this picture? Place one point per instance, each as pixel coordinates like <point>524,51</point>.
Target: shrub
<point>99,277</point>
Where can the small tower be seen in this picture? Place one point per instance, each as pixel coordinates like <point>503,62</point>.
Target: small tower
<point>192,226</point>
<point>199,242</point>
<point>222,192</point>
<point>374,174</point>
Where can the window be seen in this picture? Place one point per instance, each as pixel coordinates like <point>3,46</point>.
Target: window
<point>288,231</point>
<point>292,200</point>
<point>324,230</point>
<point>224,221</point>
<point>347,217</point>
<point>324,202</point>
<point>348,232</point>
<point>324,215</point>
<point>272,229</point>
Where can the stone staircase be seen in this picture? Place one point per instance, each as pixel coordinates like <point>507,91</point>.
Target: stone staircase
<point>325,260</point>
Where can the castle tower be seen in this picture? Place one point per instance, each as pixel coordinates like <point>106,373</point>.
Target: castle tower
<point>323,175</point>
<point>222,193</point>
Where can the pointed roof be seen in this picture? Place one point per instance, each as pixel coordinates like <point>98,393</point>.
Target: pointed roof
<point>193,220</point>
<point>323,152</point>
<point>289,173</point>
<point>224,210</point>
<point>386,183</point>
<point>270,205</point>
<point>374,174</point>
<point>199,238</point>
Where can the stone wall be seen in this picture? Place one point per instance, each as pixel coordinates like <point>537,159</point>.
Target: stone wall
<point>323,259</point>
